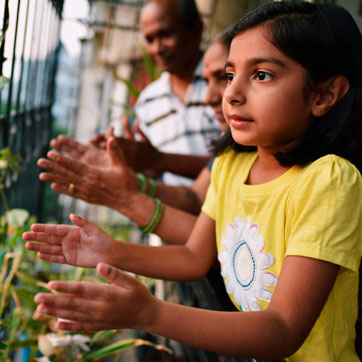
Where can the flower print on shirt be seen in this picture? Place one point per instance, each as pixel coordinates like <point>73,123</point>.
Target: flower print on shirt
<point>244,264</point>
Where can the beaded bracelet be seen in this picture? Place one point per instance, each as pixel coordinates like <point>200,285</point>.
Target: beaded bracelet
<point>143,182</point>
<point>153,187</point>
<point>155,218</point>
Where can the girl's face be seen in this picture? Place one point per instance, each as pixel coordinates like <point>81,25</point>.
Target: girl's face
<point>214,73</point>
<point>265,102</point>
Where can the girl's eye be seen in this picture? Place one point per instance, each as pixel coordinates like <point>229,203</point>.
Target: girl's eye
<point>260,75</point>
<point>229,77</point>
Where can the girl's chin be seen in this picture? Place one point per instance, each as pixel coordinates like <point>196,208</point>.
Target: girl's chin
<point>242,139</point>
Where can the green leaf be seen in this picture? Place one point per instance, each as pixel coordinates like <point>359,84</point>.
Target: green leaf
<point>16,237</point>
<point>127,109</point>
<point>3,252</point>
<point>3,81</point>
<point>22,343</point>
<point>14,323</point>
<point>101,336</point>
<point>25,295</point>
<point>151,70</point>
<point>122,346</point>
<point>112,348</point>
<point>2,346</point>
<point>131,89</point>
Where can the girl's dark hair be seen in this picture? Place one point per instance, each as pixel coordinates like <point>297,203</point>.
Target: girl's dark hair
<point>326,41</point>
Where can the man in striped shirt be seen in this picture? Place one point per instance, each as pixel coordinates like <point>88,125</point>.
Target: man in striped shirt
<point>170,111</point>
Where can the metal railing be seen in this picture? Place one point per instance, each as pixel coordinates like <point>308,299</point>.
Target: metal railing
<point>28,58</point>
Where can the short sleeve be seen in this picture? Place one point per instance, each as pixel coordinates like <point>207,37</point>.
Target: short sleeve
<point>210,204</point>
<point>325,214</point>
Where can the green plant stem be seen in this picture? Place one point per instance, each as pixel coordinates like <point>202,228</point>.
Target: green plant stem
<point>5,202</point>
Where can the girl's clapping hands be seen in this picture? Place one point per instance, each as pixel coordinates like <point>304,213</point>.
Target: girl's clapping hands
<point>83,244</point>
<point>126,303</point>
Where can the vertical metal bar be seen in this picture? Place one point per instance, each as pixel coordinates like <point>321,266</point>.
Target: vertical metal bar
<point>20,109</point>
<point>5,125</point>
<point>5,26</point>
<point>36,66</point>
<point>54,48</point>
<point>22,59</point>
<point>28,87</point>
<point>43,53</point>
<point>47,56</point>
<point>6,135</point>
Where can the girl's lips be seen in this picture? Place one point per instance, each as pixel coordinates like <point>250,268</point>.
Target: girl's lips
<point>239,122</point>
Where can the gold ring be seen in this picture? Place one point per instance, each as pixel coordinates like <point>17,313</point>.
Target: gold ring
<point>71,187</point>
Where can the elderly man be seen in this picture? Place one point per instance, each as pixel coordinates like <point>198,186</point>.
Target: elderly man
<point>171,111</point>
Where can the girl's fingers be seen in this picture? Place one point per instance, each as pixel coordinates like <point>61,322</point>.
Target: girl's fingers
<point>57,230</point>
<point>45,248</point>
<point>74,302</point>
<point>73,326</point>
<point>86,225</point>
<point>75,314</point>
<point>116,276</point>
<point>42,237</point>
<point>59,259</point>
<point>86,290</point>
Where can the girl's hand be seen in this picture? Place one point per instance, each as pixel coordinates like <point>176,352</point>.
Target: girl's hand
<point>111,186</point>
<point>83,245</point>
<point>126,303</point>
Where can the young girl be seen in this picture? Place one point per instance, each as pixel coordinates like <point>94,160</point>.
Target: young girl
<point>283,211</point>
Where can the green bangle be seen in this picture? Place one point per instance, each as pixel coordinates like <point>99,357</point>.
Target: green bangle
<point>143,182</point>
<point>155,218</point>
<point>153,187</point>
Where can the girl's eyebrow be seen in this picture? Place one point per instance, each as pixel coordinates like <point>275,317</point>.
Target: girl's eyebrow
<point>268,60</point>
<point>258,61</point>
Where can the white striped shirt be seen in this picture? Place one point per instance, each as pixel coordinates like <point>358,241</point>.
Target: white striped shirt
<point>174,126</point>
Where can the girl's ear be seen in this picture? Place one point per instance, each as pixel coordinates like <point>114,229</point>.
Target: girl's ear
<point>330,92</point>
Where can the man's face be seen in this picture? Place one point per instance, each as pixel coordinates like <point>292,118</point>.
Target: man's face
<point>168,41</point>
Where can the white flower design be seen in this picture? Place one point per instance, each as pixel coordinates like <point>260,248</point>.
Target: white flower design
<point>243,264</point>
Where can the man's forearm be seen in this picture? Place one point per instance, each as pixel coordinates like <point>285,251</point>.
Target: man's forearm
<point>184,165</point>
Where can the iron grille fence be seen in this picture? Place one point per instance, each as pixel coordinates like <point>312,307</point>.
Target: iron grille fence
<point>28,58</point>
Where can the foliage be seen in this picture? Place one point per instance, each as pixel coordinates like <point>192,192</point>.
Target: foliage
<point>3,82</point>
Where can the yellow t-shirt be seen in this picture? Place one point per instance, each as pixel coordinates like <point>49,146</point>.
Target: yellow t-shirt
<point>313,211</point>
